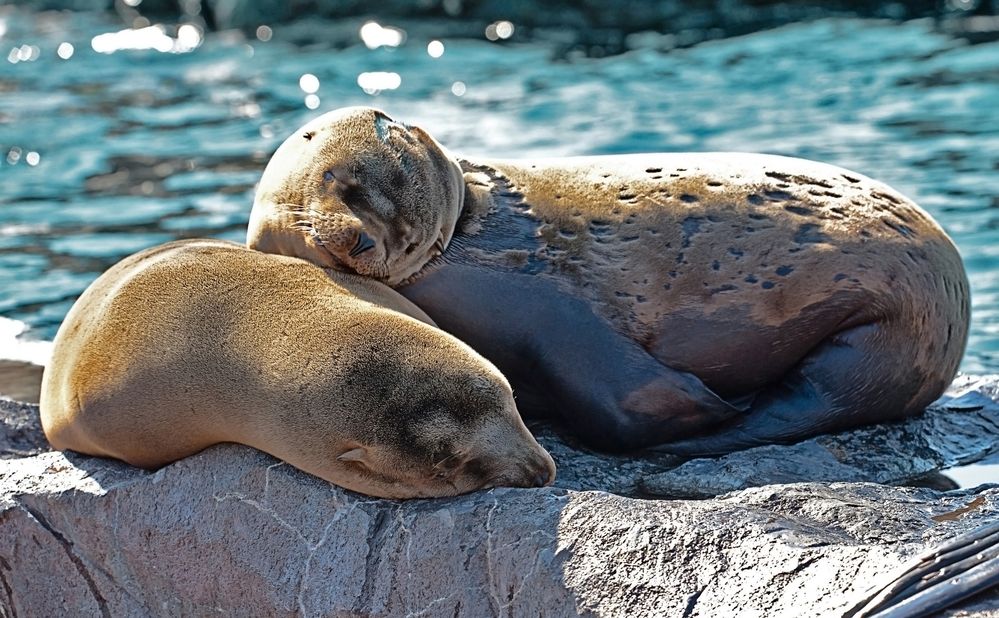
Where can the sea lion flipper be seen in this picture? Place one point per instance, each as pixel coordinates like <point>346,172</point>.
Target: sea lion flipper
<point>837,385</point>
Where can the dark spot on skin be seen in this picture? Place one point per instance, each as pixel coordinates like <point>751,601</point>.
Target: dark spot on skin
<point>865,233</point>
<point>558,196</point>
<point>716,265</point>
<point>838,211</point>
<point>308,136</point>
<point>884,196</point>
<point>667,286</point>
<point>714,183</point>
<point>840,276</point>
<point>903,230</point>
<point>679,258</point>
<point>672,274</point>
<point>778,176</point>
<point>736,252</point>
<point>778,195</point>
<point>766,285</point>
<point>653,170</point>
<point>656,177</point>
<point>758,217</point>
<point>567,233</point>
<point>681,169</point>
<point>833,194</point>
<point>652,231</point>
<point>626,196</point>
<point>600,228</point>
<point>750,279</point>
<point>640,299</point>
<point>674,175</point>
<point>851,178</point>
<point>784,271</point>
<point>629,238</point>
<point>754,199</point>
<point>728,287</point>
<point>809,233</point>
<point>690,227</point>
<point>798,210</point>
<point>688,198</point>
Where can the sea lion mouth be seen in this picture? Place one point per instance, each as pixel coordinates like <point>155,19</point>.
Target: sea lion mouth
<point>338,264</point>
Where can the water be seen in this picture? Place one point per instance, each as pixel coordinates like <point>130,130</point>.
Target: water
<point>104,154</point>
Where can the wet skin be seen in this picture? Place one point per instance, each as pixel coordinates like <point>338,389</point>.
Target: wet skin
<point>697,302</point>
<point>642,311</point>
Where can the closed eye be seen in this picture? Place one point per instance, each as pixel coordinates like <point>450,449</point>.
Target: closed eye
<point>353,197</point>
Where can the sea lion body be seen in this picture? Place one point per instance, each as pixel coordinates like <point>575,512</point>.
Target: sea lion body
<point>705,302</point>
<point>194,343</point>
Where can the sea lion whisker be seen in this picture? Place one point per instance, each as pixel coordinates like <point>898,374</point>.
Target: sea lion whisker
<point>446,459</point>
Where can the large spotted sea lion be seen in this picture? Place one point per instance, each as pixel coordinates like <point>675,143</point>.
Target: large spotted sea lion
<point>705,302</point>
<point>194,343</point>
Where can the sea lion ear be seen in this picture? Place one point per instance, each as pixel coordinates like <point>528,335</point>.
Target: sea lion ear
<point>354,454</point>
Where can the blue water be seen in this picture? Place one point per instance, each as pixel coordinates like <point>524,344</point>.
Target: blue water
<point>104,154</point>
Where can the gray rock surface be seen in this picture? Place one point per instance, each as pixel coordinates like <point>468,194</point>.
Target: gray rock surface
<point>235,532</point>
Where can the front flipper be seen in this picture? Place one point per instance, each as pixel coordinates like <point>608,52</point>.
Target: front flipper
<point>601,384</point>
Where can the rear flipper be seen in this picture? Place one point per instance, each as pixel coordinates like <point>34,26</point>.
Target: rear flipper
<point>962,568</point>
<point>859,376</point>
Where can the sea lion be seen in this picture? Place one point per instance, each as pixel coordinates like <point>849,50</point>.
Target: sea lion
<point>198,342</point>
<point>703,302</point>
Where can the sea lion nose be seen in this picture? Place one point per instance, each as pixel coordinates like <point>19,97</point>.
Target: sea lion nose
<point>364,242</point>
<point>545,475</point>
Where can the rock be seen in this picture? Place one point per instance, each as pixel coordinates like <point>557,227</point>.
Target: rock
<point>20,380</point>
<point>234,531</point>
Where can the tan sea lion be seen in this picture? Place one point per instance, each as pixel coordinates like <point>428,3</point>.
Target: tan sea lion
<point>198,342</point>
<point>705,302</point>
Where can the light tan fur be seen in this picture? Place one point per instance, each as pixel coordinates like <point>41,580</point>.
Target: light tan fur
<point>404,194</point>
<point>194,343</point>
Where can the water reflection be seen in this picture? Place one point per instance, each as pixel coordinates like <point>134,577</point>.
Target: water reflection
<point>97,149</point>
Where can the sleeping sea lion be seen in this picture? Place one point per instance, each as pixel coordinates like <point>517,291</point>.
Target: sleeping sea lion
<point>704,302</point>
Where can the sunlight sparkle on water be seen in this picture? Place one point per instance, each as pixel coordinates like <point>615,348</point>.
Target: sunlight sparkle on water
<point>499,30</point>
<point>458,89</point>
<point>151,37</point>
<point>65,50</point>
<point>435,49</point>
<point>24,53</point>
<point>309,83</point>
<point>374,82</point>
<point>375,35</point>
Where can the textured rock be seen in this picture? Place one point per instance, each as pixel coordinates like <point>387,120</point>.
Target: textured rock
<point>236,532</point>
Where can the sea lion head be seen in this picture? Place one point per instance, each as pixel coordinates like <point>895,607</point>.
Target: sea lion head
<point>357,191</point>
<point>444,435</point>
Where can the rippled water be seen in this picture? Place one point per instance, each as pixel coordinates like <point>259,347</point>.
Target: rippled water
<point>135,148</point>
